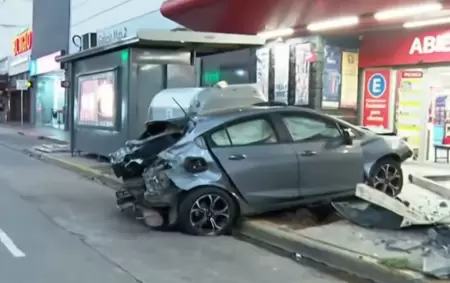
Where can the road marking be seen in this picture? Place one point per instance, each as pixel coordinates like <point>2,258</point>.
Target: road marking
<point>9,244</point>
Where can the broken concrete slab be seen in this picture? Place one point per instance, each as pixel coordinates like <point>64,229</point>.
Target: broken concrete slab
<point>413,211</point>
<point>368,215</point>
<point>53,148</point>
<point>436,264</point>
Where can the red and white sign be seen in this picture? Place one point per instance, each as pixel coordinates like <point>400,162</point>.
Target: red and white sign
<point>376,99</point>
<point>405,48</point>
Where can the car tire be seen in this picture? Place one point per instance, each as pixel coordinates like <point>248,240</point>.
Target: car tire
<point>386,175</point>
<point>207,211</point>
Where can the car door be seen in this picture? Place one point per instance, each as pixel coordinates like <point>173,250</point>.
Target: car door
<point>327,164</point>
<point>262,169</point>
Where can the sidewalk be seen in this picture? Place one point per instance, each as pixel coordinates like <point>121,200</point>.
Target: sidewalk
<point>43,133</point>
<point>367,253</point>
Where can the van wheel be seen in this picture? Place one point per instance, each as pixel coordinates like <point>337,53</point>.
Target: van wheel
<point>207,212</point>
<point>387,176</point>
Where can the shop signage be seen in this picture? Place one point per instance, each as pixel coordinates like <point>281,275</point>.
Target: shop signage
<point>376,99</point>
<point>129,29</point>
<point>45,64</point>
<point>331,91</point>
<point>23,42</point>
<point>22,84</point>
<point>111,36</point>
<point>405,48</point>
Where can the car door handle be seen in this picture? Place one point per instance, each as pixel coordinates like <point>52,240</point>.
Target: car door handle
<point>308,153</point>
<point>237,157</point>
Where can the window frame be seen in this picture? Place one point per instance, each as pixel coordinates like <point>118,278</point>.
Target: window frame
<point>267,117</point>
<point>287,134</point>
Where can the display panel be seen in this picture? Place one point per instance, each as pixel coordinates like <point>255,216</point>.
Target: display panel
<point>97,99</point>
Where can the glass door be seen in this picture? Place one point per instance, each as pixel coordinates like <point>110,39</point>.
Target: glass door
<point>438,115</point>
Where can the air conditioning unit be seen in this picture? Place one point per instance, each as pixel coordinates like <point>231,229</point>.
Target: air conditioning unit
<point>89,40</point>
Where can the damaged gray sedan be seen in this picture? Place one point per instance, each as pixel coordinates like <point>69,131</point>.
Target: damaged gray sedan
<point>248,161</point>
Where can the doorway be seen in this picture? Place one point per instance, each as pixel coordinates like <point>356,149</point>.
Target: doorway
<point>438,124</point>
<point>14,113</point>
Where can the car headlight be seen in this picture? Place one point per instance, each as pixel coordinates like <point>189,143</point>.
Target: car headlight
<point>405,143</point>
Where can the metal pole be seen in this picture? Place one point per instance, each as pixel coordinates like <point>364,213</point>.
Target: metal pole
<point>21,107</point>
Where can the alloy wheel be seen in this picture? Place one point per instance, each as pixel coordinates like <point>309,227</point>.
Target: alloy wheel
<point>388,180</point>
<point>209,214</point>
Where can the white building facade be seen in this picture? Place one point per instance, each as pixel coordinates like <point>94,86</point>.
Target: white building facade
<point>114,20</point>
<point>15,17</point>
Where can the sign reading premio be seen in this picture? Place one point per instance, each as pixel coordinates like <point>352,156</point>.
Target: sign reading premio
<point>23,42</point>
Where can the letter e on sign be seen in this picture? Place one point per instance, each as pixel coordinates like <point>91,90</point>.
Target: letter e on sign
<point>376,85</point>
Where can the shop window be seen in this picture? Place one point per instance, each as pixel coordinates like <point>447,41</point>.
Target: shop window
<point>50,100</point>
<point>232,75</point>
<point>232,67</point>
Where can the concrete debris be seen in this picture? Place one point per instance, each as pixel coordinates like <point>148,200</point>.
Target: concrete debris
<point>436,264</point>
<point>368,215</point>
<point>52,148</point>
<point>374,209</point>
<point>404,245</point>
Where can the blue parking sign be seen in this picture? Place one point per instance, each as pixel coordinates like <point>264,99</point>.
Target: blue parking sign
<point>377,85</point>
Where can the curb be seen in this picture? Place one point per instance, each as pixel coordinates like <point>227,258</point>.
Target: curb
<point>303,247</point>
<point>428,183</point>
<point>84,171</point>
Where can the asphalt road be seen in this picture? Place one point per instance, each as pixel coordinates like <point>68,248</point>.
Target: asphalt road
<point>56,227</point>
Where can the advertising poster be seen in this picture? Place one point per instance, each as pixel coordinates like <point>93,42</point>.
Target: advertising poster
<point>331,77</point>
<point>96,95</point>
<point>376,99</point>
<point>262,70</point>
<point>408,119</point>
<point>349,87</point>
<point>281,69</point>
<point>303,57</point>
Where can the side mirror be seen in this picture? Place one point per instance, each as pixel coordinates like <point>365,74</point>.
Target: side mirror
<point>348,137</point>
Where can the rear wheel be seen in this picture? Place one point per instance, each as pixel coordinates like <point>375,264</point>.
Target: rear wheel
<point>207,212</point>
<point>387,176</point>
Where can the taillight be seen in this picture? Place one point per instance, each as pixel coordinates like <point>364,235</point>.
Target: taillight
<point>195,164</point>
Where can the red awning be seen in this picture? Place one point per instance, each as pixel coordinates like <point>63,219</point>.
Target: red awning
<point>253,16</point>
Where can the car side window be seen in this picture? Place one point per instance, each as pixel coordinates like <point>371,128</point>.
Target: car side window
<point>310,129</point>
<point>253,132</point>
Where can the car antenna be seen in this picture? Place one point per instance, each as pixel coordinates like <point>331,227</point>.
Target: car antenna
<point>182,109</point>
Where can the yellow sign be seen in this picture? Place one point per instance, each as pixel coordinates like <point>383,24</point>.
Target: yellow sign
<point>23,42</point>
<point>349,86</point>
<point>410,91</point>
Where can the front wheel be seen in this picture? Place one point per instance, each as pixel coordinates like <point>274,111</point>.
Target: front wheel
<point>387,176</point>
<point>207,212</point>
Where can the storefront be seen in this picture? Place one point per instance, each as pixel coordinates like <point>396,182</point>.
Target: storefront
<point>4,83</point>
<point>406,86</point>
<point>50,96</point>
<point>18,69</point>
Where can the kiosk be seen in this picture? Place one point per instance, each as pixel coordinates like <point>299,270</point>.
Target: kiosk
<point>111,87</point>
